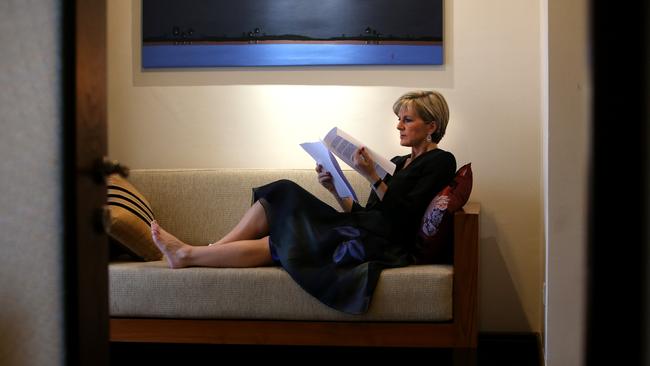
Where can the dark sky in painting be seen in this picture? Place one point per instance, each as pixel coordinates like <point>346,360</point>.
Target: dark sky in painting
<point>312,18</point>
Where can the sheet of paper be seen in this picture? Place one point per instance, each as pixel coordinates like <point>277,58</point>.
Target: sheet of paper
<point>324,157</point>
<point>344,146</point>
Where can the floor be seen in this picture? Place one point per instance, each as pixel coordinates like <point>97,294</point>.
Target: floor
<point>493,349</point>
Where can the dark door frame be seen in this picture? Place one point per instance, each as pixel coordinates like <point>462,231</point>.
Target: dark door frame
<point>85,144</point>
<point>620,113</point>
<point>617,314</point>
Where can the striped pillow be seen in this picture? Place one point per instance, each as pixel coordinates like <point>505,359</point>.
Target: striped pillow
<point>131,217</point>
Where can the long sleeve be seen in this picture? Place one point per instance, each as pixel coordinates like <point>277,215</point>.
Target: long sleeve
<point>411,190</point>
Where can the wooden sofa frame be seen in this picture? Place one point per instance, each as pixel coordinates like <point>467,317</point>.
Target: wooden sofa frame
<point>459,334</point>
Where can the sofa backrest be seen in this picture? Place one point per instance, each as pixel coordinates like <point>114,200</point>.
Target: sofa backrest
<point>199,206</point>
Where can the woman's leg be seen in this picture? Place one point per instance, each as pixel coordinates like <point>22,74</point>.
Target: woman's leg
<point>241,253</point>
<point>253,225</point>
<point>246,245</point>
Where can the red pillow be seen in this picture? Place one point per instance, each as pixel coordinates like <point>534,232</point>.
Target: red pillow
<point>436,232</point>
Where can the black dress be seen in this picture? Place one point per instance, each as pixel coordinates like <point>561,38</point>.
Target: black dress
<point>338,256</point>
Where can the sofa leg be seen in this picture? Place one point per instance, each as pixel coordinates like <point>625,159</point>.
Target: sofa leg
<point>464,356</point>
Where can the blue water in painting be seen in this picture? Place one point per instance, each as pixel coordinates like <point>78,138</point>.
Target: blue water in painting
<point>166,56</point>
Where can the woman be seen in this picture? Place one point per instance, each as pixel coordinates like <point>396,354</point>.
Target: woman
<point>338,256</point>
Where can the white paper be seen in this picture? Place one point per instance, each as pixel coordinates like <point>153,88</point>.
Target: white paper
<point>324,157</point>
<point>344,146</point>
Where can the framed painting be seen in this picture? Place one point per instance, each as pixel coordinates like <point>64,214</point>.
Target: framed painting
<point>240,33</point>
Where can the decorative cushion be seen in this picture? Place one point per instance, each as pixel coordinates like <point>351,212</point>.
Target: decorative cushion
<point>436,232</point>
<point>130,220</point>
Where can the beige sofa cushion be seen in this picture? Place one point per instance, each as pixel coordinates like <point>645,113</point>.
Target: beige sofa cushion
<point>152,290</point>
<point>200,206</point>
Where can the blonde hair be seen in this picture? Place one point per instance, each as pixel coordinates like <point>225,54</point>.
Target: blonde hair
<point>431,106</point>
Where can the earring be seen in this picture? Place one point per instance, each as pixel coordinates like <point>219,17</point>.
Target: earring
<point>428,138</point>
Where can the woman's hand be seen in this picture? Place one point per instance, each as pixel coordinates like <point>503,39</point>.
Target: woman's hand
<point>364,164</point>
<point>325,178</point>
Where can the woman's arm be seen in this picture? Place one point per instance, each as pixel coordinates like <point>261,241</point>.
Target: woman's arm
<point>380,188</point>
<point>345,203</point>
<point>413,190</point>
<point>366,167</point>
<point>325,179</point>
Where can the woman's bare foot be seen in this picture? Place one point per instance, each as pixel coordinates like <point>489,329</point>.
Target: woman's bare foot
<point>176,252</point>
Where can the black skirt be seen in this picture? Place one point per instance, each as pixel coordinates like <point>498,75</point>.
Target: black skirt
<point>336,257</point>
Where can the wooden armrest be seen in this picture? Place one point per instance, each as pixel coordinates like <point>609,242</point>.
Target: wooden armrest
<point>470,208</point>
<point>466,256</point>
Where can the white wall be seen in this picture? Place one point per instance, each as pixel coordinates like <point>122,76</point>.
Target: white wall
<point>567,135</point>
<point>255,118</point>
<point>31,244</point>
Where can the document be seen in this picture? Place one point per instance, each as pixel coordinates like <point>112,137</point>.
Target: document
<point>344,146</point>
<point>339,143</point>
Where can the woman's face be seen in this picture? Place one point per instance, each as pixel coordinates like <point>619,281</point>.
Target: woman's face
<point>413,131</point>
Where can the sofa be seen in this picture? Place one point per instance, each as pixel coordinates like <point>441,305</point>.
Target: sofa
<point>429,305</point>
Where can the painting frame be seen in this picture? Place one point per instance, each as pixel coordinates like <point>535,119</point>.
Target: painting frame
<point>199,34</point>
